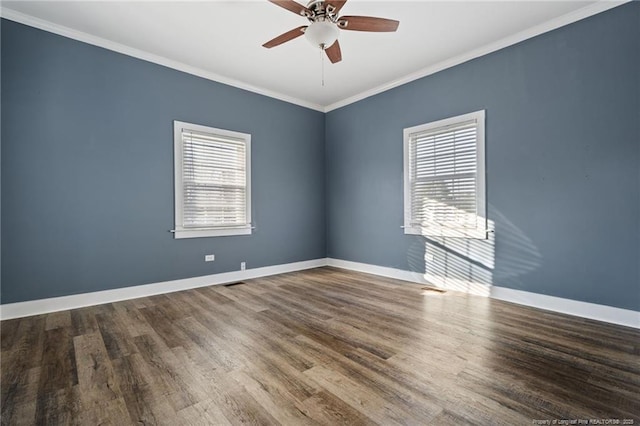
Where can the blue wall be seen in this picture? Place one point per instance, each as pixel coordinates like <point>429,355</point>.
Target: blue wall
<point>563,162</point>
<point>87,170</point>
<point>87,177</point>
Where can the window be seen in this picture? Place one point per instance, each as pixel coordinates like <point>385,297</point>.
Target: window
<point>212,181</point>
<point>444,178</point>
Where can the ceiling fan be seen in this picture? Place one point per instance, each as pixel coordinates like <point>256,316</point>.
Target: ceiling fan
<point>325,24</point>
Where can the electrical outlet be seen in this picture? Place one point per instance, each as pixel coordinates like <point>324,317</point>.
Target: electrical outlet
<point>243,266</point>
<point>209,257</point>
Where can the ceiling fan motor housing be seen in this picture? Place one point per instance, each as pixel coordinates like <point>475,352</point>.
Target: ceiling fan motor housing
<point>321,11</point>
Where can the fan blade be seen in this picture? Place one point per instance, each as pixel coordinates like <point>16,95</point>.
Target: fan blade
<point>334,53</point>
<point>367,23</point>
<point>293,6</point>
<point>337,5</point>
<point>282,38</point>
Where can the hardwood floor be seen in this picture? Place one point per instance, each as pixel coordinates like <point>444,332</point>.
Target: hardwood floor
<point>323,346</point>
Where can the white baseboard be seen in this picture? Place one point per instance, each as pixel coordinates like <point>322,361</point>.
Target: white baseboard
<point>54,304</point>
<point>594,311</point>
<point>383,271</point>
<point>577,308</point>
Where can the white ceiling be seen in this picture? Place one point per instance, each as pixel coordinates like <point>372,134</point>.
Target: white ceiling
<point>222,40</point>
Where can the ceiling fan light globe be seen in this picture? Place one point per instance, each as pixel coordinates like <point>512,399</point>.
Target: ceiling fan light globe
<point>322,34</point>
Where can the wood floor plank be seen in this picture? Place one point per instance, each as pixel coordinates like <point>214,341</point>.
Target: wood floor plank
<point>129,313</point>
<point>95,412</point>
<point>163,326</point>
<point>326,408</point>
<point>114,332</point>
<point>60,319</point>
<point>98,385</point>
<point>203,413</point>
<point>164,368</point>
<point>19,406</point>
<point>236,294</point>
<point>275,400</point>
<point>377,375</point>
<point>246,340</point>
<point>83,321</point>
<point>364,399</point>
<point>58,370</point>
<point>323,346</point>
<point>135,390</point>
<point>9,333</point>
<point>213,345</point>
<point>58,407</point>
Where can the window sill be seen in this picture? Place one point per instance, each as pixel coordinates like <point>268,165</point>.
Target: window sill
<point>202,233</point>
<point>480,234</point>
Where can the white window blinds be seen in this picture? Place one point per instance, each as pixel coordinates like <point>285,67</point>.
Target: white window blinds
<point>212,181</point>
<point>444,177</point>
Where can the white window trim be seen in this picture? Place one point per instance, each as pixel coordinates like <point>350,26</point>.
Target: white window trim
<point>481,198</point>
<point>181,232</point>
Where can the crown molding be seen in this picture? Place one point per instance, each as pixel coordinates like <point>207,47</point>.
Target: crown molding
<point>569,18</point>
<point>561,21</point>
<point>51,27</point>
